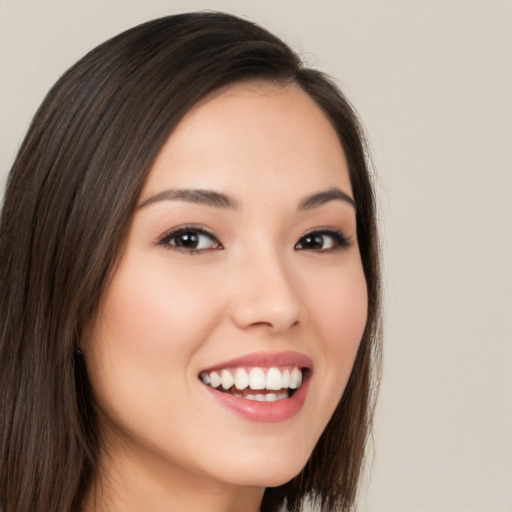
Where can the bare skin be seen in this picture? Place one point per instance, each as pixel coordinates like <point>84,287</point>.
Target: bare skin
<point>274,269</point>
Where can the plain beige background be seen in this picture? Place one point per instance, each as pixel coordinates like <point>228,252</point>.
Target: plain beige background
<point>433,83</point>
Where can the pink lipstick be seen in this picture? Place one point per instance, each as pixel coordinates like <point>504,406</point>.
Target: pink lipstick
<point>263,386</point>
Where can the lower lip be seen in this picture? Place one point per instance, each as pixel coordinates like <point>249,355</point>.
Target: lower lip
<point>263,412</point>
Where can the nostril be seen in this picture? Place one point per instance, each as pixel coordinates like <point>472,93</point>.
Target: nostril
<point>276,320</point>
<point>266,299</point>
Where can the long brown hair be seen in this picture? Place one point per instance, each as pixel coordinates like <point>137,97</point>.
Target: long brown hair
<point>70,197</point>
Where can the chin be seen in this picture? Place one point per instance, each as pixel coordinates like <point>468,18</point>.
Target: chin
<point>266,478</point>
<point>269,470</point>
<point>279,479</point>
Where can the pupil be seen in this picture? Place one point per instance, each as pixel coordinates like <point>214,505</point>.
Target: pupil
<point>188,240</point>
<point>314,241</point>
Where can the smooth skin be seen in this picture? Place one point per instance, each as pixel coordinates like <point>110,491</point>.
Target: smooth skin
<point>248,281</point>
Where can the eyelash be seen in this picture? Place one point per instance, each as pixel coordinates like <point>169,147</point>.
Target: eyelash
<point>339,240</point>
<point>165,241</point>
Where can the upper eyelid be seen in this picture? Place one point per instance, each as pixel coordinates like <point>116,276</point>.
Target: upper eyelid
<point>326,229</point>
<point>344,239</point>
<point>173,232</point>
<point>317,229</point>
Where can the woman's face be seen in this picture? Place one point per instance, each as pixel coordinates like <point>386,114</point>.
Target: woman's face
<point>241,270</point>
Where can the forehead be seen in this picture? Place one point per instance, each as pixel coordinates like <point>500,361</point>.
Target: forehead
<point>252,135</point>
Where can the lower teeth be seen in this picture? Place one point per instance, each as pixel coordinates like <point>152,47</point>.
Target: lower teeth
<point>258,397</point>
<point>270,397</point>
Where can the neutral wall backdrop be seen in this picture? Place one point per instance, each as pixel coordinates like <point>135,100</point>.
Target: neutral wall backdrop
<point>432,81</point>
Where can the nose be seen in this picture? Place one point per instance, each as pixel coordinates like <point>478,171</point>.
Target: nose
<point>267,295</point>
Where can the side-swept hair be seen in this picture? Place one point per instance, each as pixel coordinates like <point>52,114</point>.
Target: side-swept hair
<point>70,197</point>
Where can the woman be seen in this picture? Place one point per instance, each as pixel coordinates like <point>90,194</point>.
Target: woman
<point>190,282</point>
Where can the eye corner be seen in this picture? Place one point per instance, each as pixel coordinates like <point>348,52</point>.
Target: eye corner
<point>194,240</point>
<point>323,240</point>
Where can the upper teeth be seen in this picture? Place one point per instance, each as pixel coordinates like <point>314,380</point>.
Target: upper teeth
<point>256,378</point>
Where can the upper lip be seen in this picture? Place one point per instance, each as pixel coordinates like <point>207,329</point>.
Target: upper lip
<point>266,360</point>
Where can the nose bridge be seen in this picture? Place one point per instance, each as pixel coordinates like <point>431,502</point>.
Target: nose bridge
<point>266,291</point>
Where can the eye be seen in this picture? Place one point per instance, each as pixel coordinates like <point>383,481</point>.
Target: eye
<point>323,240</point>
<point>191,239</point>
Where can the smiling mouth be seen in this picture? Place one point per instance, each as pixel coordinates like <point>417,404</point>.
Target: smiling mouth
<point>256,383</point>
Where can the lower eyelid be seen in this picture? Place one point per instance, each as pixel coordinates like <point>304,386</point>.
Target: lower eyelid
<point>339,240</point>
<point>165,239</point>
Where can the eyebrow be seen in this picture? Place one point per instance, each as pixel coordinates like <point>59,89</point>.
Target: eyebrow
<point>320,198</point>
<point>197,196</point>
<point>220,200</point>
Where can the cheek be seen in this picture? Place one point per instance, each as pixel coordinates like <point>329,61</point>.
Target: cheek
<point>158,309</point>
<point>153,318</point>
<point>341,312</point>
<point>345,311</point>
